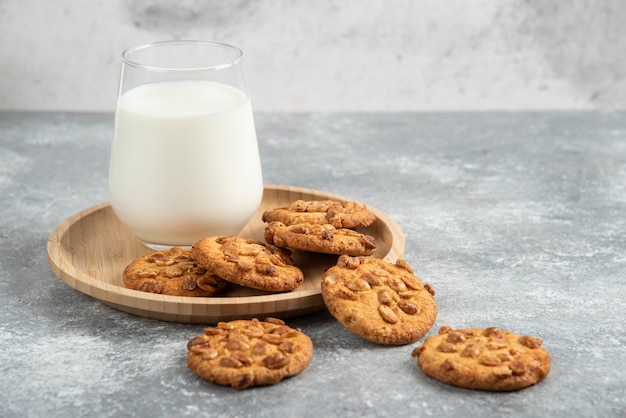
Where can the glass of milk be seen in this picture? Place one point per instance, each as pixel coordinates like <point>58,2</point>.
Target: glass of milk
<point>185,161</point>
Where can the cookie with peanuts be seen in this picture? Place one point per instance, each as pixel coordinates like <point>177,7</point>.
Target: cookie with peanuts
<point>249,263</point>
<point>173,272</point>
<point>245,353</point>
<point>320,212</point>
<point>486,359</point>
<point>379,301</point>
<point>319,239</point>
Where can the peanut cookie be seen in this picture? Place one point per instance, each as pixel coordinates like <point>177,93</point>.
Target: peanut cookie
<point>245,353</point>
<point>381,302</point>
<point>249,263</point>
<point>338,214</point>
<point>172,272</point>
<point>484,359</point>
<point>319,239</point>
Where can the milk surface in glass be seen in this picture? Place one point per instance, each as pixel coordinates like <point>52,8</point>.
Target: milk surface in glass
<point>184,161</point>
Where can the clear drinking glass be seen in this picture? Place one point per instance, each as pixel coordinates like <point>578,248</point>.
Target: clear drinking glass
<point>185,160</point>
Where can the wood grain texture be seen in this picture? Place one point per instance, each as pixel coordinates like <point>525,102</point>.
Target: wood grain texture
<point>89,251</point>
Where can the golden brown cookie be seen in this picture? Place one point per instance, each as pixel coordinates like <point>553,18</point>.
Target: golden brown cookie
<point>172,272</point>
<point>249,263</point>
<point>484,359</point>
<point>319,239</point>
<point>245,353</point>
<point>338,214</point>
<point>381,302</point>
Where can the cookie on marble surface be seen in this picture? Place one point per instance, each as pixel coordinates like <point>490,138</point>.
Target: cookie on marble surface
<point>483,358</point>
<point>173,272</point>
<point>246,353</point>
<point>381,302</point>
<point>338,214</point>
<point>319,239</point>
<point>249,263</point>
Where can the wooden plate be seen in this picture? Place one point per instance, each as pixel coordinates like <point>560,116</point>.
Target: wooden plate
<point>89,251</point>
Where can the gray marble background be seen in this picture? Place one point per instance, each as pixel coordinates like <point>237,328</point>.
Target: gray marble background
<point>350,55</point>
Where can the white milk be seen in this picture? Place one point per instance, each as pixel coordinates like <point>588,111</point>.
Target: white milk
<point>184,162</point>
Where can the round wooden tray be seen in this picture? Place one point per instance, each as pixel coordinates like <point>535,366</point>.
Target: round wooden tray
<point>89,251</point>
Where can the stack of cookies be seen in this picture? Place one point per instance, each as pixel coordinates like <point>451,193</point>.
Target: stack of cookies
<point>325,226</point>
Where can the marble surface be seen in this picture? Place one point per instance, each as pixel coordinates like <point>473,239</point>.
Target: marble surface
<point>349,55</point>
<point>518,220</point>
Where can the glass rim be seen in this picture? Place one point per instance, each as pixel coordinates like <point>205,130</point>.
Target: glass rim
<point>130,50</point>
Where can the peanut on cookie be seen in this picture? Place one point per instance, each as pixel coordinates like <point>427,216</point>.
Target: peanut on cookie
<point>483,358</point>
<point>246,353</point>
<point>381,302</point>
<point>333,212</point>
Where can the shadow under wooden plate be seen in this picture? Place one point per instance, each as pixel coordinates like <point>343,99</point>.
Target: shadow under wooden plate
<point>90,250</point>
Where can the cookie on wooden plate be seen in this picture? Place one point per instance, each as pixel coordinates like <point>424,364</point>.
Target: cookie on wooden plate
<point>381,302</point>
<point>246,353</point>
<point>483,358</point>
<point>173,272</point>
<point>338,214</point>
<point>319,239</point>
<point>249,263</point>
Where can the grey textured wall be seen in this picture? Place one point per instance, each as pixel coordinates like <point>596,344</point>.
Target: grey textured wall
<point>362,55</point>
